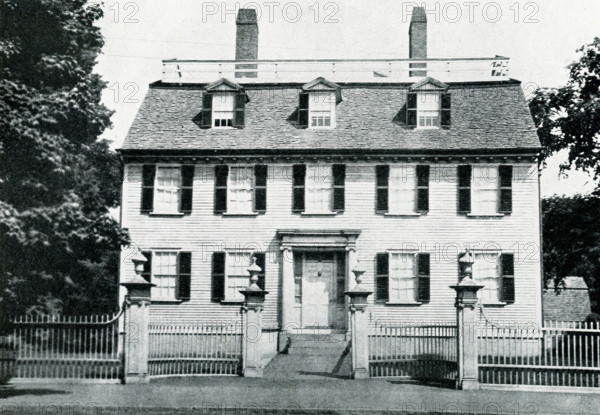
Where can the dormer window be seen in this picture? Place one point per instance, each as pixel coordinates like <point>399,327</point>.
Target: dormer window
<point>317,105</point>
<point>223,105</point>
<point>428,105</point>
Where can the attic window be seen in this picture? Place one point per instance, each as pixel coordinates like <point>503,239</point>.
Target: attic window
<point>428,110</point>
<point>428,105</point>
<point>322,109</point>
<point>223,105</point>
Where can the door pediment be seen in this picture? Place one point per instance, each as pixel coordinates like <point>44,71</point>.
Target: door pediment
<point>335,239</point>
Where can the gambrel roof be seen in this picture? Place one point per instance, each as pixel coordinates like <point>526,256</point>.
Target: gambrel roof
<point>486,117</point>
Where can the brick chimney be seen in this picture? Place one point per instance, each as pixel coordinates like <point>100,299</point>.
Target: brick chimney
<point>417,48</point>
<point>246,42</point>
<point>417,34</point>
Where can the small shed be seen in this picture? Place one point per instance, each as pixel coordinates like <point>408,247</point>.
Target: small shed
<point>570,301</point>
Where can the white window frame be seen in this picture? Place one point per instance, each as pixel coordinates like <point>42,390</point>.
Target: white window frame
<point>215,113</point>
<point>157,293</point>
<point>325,105</point>
<point>406,185</point>
<point>242,279</point>
<point>157,206</point>
<point>482,185</point>
<point>490,293</point>
<point>233,187</point>
<point>429,113</point>
<point>323,184</point>
<point>409,298</point>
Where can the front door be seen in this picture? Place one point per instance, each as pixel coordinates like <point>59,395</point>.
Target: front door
<point>323,284</point>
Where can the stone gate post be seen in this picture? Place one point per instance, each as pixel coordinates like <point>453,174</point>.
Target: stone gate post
<point>359,326</point>
<point>137,317</point>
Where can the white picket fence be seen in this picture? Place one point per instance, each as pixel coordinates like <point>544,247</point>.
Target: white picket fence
<point>64,347</point>
<point>213,348</point>
<point>557,354</point>
<point>422,352</point>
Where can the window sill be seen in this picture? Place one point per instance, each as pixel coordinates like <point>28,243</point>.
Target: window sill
<point>408,214</point>
<point>319,213</point>
<point>485,215</point>
<point>498,304</point>
<point>403,303</point>
<point>165,301</point>
<point>239,214</point>
<point>167,214</point>
<point>234,302</point>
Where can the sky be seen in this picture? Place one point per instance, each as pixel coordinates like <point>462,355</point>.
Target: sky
<point>540,37</point>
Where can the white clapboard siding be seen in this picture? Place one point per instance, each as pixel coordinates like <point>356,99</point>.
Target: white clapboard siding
<point>442,232</point>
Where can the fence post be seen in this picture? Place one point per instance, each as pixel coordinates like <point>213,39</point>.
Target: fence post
<point>253,306</point>
<point>359,326</point>
<point>136,339</point>
<point>466,317</point>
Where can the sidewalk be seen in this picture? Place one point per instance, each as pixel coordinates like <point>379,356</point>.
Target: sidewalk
<point>205,395</point>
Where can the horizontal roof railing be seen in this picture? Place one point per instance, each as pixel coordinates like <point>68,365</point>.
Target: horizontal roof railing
<point>342,70</point>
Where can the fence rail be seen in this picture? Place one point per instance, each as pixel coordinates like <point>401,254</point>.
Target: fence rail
<point>65,347</point>
<point>423,352</point>
<point>557,354</point>
<point>194,349</point>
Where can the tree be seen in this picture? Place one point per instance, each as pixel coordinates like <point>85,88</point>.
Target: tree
<point>569,117</point>
<point>571,229</point>
<point>57,181</point>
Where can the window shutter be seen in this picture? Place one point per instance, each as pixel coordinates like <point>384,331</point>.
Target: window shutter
<point>206,121</point>
<point>148,172</point>
<point>382,277</point>
<point>383,176</point>
<point>339,179</point>
<point>423,276</point>
<point>303,110</point>
<point>221,173</point>
<point>260,261</point>
<point>446,110</point>
<point>506,174</point>
<point>218,276</point>
<point>187,188</point>
<point>260,188</point>
<point>298,187</point>
<point>184,276</point>
<point>239,110</point>
<point>464,189</point>
<point>147,272</point>
<point>508,278</point>
<point>411,109</point>
<point>422,188</point>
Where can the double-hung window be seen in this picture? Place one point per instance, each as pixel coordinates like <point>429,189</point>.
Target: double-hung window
<point>428,109</point>
<point>402,282</point>
<point>167,189</point>
<point>495,271</point>
<point>236,275</point>
<point>241,190</point>
<point>402,277</point>
<point>485,190</point>
<point>402,189</point>
<point>319,188</point>
<point>170,271</point>
<point>322,109</point>
<point>223,106</point>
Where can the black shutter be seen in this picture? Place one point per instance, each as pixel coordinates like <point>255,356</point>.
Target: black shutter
<point>422,188</point>
<point>507,293</point>
<point>298,187</point>
<point>383,177</point>
<point>147,272</point>
<point>382,277</point>
<point>411,109</point>
<point>260,261</point>
<point>206,121</point>
<point>148,172</point>
<point>184,276</point>
<point>464,189</point>
<point>423,276</point>
<point>239,110</point>
<point>506,174</point>
<point>339,179</point>
<point>221,173</point>
<point>303,110</point>
<point>260,188</point>
<point>187,188</point>
<point>218,276</point>
<point>446,110</point>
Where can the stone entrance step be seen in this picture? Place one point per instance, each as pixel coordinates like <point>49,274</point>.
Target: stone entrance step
<point>312,357</point>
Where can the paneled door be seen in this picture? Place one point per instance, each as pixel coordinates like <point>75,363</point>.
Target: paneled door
<point>323,282</point>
